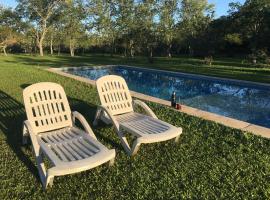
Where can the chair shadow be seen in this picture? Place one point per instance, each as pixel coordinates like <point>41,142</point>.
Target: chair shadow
<point>88,111</point>
<point>12,115</point>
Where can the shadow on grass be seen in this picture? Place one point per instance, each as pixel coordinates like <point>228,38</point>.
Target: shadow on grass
<point>67,61</point>
<point>89,111</point>
<point>12,115</point>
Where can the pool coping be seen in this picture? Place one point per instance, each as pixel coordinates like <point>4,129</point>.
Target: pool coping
<point>227,121</point>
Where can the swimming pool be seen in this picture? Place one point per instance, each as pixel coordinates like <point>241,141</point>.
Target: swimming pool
<point>243,101</point>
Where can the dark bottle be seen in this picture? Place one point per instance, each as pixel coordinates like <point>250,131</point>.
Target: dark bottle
<point>173,99</point>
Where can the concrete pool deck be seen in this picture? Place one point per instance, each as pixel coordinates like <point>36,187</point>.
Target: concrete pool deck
<point>227,121</point>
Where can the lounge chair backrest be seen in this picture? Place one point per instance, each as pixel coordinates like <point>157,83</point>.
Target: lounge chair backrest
<point>114,94</point>
<point>47,107</point>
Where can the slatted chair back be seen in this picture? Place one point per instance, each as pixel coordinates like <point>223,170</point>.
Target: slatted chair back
<point>114,94</point>
<point>47,107</point>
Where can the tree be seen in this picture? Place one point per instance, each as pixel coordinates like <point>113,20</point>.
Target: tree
<point>126,18</point>
<point>146,28</point>
<point>10,28</point>
<point>41,13</point>
<point>195,16</point>
<point>72,19</point>
<point>104,14</point>
<point>7,38</point>
<point>167,12</point>
<point>252,20</point>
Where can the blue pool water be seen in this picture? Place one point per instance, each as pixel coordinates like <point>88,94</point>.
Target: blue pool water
<point>246,102</point>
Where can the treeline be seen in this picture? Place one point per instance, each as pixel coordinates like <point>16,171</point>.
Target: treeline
<point>136,27</point>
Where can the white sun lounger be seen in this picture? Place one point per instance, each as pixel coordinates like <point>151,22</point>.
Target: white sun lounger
<point>117,108</point>
<point>51,127</point>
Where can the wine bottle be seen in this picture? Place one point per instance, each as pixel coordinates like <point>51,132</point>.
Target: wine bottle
<point>173,99</point>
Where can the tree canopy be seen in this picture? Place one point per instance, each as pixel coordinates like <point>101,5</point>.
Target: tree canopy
<point>135,27</point>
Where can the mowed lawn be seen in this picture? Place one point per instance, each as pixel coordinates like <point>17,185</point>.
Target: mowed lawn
<point>211,161</point>
<point>235,68</point>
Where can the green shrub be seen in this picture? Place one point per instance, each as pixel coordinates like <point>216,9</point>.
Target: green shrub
<point>208,60</point>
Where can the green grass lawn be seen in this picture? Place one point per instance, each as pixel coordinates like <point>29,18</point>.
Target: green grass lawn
<point>211,161</point>
<point>222,67</point>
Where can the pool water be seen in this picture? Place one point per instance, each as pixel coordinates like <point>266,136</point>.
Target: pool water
<point>243,101</point>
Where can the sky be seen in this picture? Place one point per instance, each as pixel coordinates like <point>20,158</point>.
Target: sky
<point>222,6</point>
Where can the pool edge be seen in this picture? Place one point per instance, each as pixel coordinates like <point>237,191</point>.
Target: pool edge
<point>227,121</point>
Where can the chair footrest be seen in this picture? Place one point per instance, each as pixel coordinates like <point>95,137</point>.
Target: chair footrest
<point>150,130</point>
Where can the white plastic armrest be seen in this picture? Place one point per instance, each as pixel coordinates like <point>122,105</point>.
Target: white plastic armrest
<point>82,120</point>
<point>146,108</point>
<point>110,115</point>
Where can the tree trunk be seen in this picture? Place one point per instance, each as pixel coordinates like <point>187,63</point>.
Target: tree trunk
<point>125,51</point>
<point>150,54</point>
<point>111,54</point>
<point>71,48</point>
<point>40,46</point>
<point>169,51</point>
<point>112,48</point>
<point>190,50</point>
<point>59,49</point>
<point>126,47</point>
<point>71,51</point>
<point>4,49</point>
<point>83,50</point>
<point>40,43</point>
<point>131,52</point>
<point>131,48</point>
<point>51,45</point>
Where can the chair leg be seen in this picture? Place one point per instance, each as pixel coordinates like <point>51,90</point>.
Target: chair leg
<point>124,142</point>
<point>97,117</point>
<point>49,181</point>
<point>25,136</point>
<point>46,179</point>
<point>177,138</point>
<point>41,170</point>
<point>39,160</point>
<point>111,162</point>
<point>125,145</point>
<point>135,147</point>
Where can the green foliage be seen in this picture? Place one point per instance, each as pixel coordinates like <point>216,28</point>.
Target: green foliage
<point>260,56</point>
<point>73,27</point>
<point>41,15</point>
<point>167,25</point>
<point>104,14</point>
<point>11,27</point>
<point>195,18</point>
<point>234,38</point>
<point>211,161</point>
<point>131,27</point>
<point>208,60</point>
<point>247,26</point>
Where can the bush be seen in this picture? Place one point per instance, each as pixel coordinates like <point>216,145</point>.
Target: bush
<point>259,56</point>
<point>208,60</point>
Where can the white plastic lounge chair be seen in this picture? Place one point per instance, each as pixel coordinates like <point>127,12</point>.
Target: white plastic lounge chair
<point>117,108</point>
<point>51,127</point>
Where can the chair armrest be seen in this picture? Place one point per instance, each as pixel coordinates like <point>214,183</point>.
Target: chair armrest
<point>82,120</point>
<point>145,107</point>
<point>110,115</point>
<point>28,126</point>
